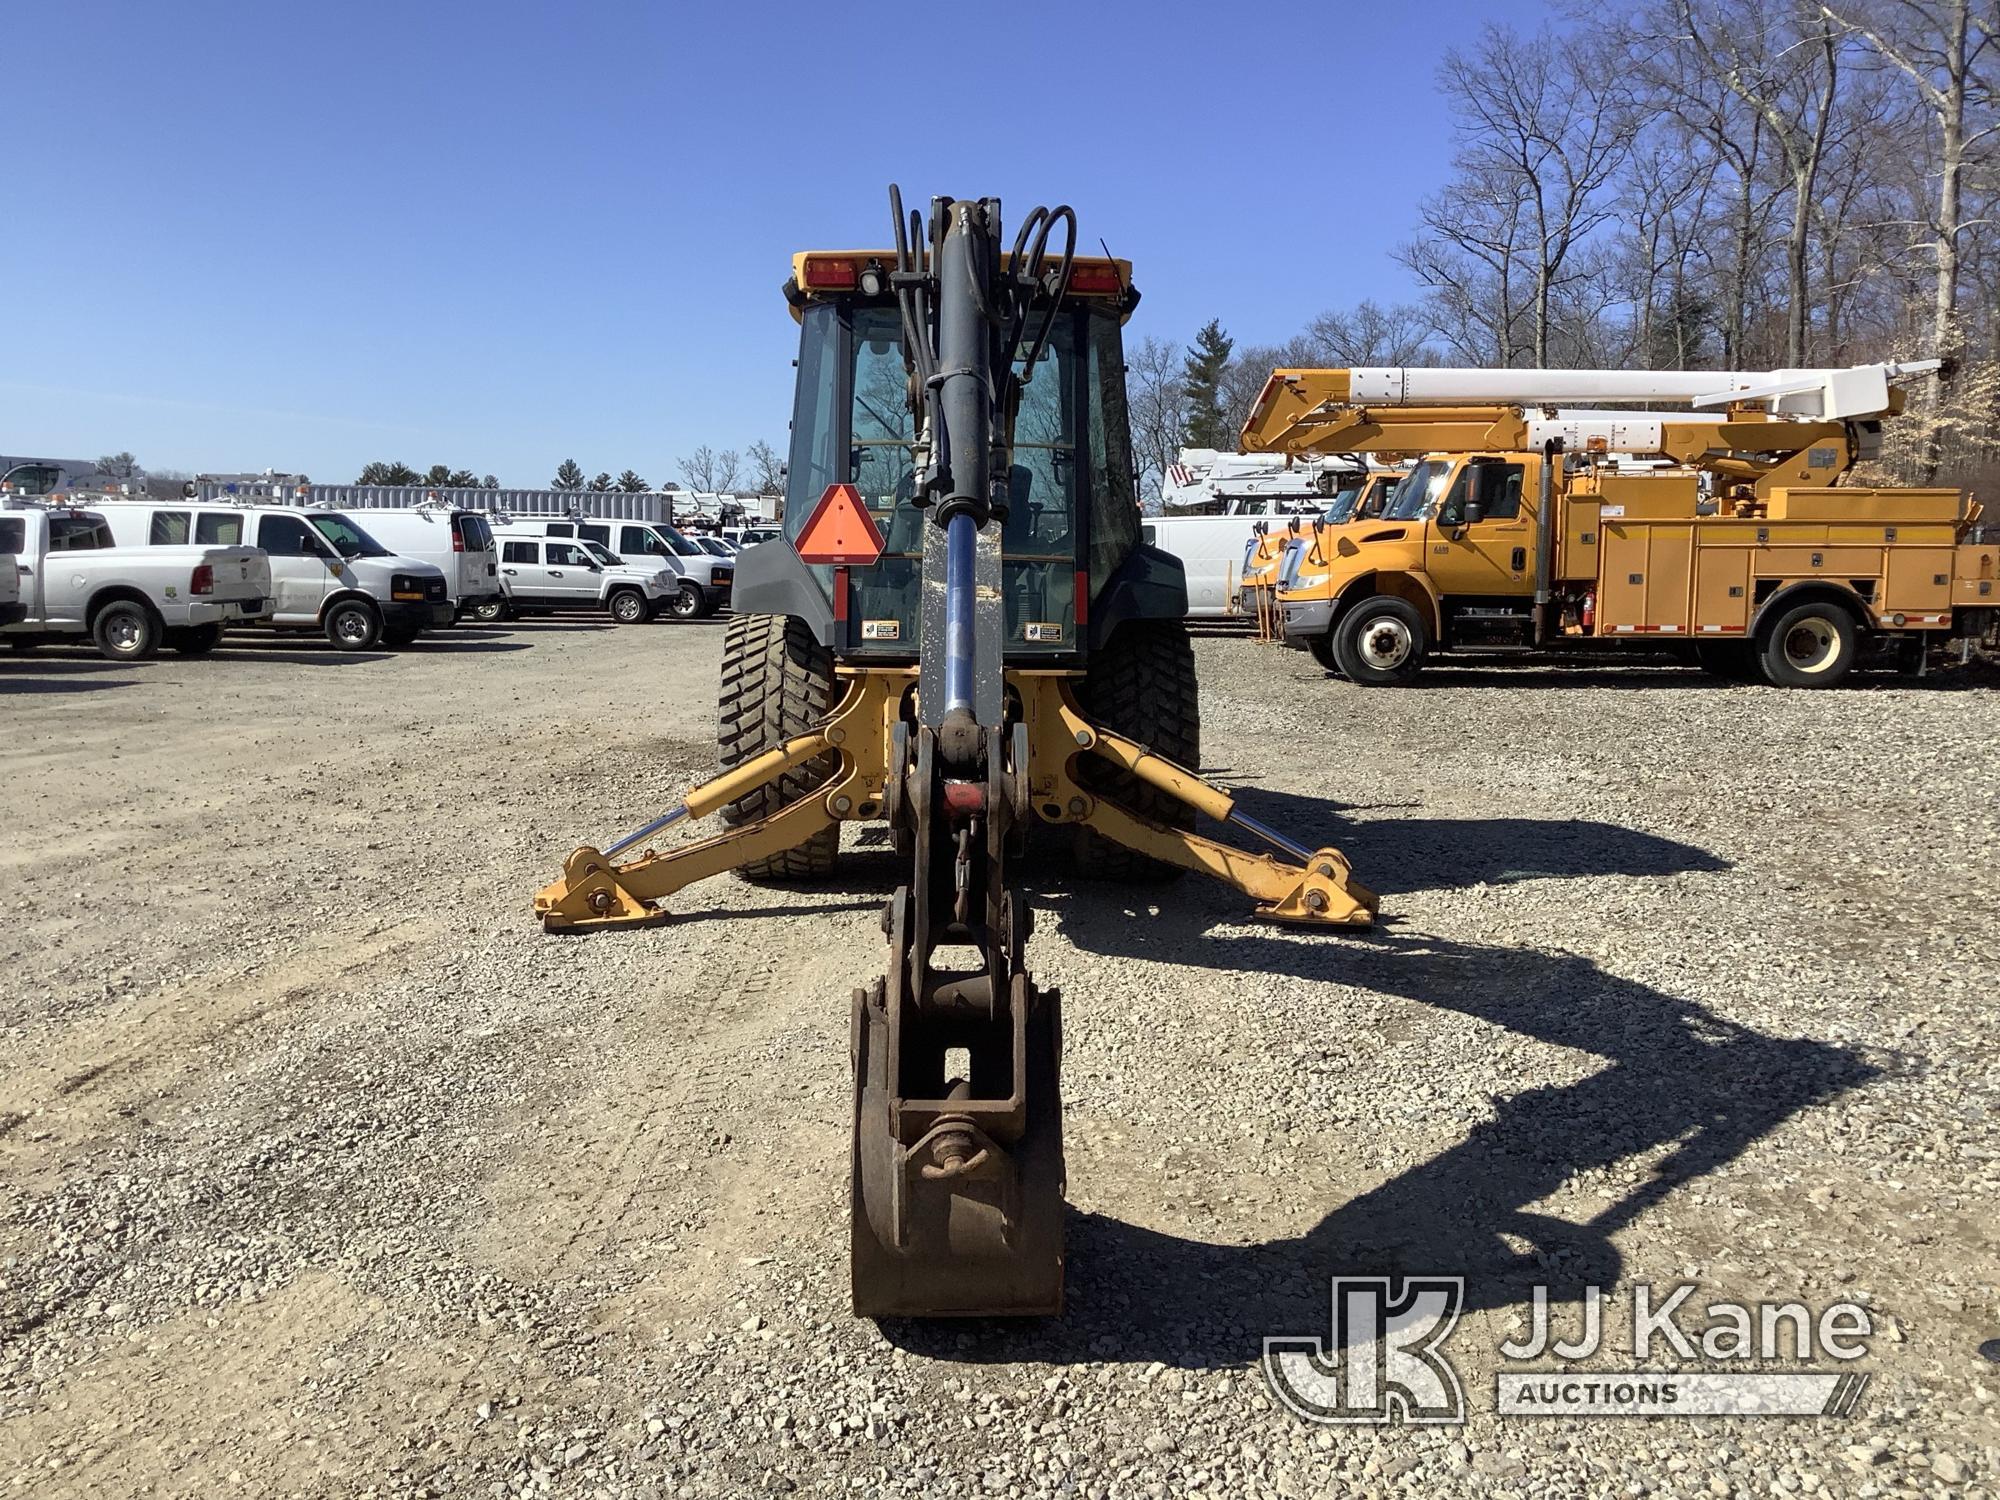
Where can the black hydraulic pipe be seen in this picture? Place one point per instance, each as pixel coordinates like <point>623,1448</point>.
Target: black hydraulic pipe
<point>1545,538</point>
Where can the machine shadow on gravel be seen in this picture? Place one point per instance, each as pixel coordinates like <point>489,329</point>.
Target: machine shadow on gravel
<point>1676,1079</point>
<point>1394,856</point>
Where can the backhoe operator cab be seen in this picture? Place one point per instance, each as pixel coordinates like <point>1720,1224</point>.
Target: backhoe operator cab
<point>1072,564</point>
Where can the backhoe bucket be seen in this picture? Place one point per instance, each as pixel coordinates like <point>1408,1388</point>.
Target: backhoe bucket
<point>957,1203</point>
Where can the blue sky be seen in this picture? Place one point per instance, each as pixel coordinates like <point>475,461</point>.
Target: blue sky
<point>302,236</point>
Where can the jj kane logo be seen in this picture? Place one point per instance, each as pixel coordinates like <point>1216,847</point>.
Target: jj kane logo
<point>1385,1361</point>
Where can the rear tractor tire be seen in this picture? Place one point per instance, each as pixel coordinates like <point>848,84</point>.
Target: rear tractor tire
<point>1142,685</point>
<point>777,684</point>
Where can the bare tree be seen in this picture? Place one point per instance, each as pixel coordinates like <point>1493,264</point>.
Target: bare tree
<point>1469,263</point>
<point>1370,334</point>
<point>1945,48</point>
<point>119,466</point>
<point>709,472</point>
<point>1153,391</point>
<point>1542,128</point>
<point>1782,59</point>
<point>767,468</point>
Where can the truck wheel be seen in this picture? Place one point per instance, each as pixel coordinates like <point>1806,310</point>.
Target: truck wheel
<point>353,625</point>
<point>777,684</point>
<point>126,630</point>
<point>486,611</point>
<point>1381,642</point>
<point>686,603</point>
<point>628,606</point>
<point>1142,685</point>
<point>196,640</point>
<point>1809,645</point>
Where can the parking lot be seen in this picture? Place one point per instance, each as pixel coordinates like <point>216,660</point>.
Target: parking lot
<point>322,1171</point>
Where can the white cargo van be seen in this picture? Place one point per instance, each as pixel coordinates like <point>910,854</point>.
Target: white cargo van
<point>705,581</point>
<point>457,542</point>
<point>327,573</point>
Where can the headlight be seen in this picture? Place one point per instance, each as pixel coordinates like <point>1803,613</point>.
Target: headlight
<point>406,588</point>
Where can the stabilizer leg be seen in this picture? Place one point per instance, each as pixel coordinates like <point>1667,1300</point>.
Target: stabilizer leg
<point>595,892</point>
<point>1313,887</point>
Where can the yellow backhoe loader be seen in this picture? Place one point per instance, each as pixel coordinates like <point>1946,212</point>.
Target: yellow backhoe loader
<point>960,632</point>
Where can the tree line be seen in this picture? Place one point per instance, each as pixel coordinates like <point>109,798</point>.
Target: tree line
<point>1680,184</point>
<point>758,468</point>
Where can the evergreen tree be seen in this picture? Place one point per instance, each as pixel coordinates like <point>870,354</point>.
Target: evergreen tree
<point>568,477</point>
<point>462,479</point>
<point>388,473</point>
<point>1202,376</point>
<point>631,483</point>
<point>601,483</point>
<point>438,475</point>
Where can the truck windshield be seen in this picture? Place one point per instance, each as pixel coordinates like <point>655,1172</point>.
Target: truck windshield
<point>1341,507</point>
<point>1417,491</point>
<point>348,539</point>
<point>681,545</point>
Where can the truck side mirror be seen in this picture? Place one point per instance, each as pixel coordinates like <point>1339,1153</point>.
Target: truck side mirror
<point>1474,511</point>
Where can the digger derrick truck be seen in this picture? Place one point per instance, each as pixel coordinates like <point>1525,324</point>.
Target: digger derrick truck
<point>960,631</point>
<point>1528,527</point>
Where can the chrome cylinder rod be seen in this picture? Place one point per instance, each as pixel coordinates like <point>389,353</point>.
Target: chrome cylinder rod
<point>1270,836</point>
<point>672,815</point>
<point>960,587</point>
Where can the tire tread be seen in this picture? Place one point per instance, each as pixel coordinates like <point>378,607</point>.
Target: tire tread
<point>777,683</point>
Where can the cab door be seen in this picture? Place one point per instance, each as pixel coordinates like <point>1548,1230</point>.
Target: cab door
<point>1482,535</point>
<point>300,577</point>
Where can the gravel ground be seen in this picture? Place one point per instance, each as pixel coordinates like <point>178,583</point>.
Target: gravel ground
<point>322,1172</point>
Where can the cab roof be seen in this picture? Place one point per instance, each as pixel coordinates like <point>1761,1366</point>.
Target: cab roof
<point>825,275</point>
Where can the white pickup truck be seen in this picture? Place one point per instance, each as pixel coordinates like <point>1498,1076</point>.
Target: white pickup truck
<point>128,600</point>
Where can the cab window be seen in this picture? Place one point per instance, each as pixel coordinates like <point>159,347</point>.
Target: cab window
<point>599,534</point>
<point>218,529</point>
<point>520,552</point>
<point>169,529</point>
<point>567,555</point>
<point>283,536</point>
<point>1497,488</point>
<point>13,535</point>
<point>78,534</point>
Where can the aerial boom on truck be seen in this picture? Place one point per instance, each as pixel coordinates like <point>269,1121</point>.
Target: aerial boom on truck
<point>1529,527</point>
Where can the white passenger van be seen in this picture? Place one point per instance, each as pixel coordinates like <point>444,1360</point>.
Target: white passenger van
<point>327,572</point>
<point>457,542</point>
